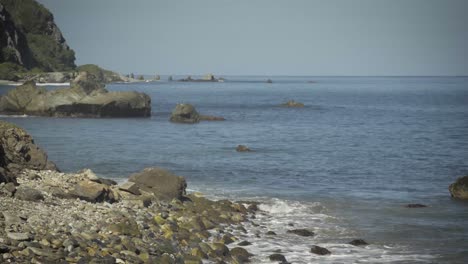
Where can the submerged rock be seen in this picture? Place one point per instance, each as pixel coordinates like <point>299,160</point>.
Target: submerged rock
<point>85,98</point>
<point>211,118</point>
<point>320,250</point>
<point>242,148</point>
<point>292,103</point>
<point>415,205</point>
<point>459,189</point>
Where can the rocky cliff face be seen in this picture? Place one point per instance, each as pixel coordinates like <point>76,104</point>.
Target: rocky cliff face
<point>29,37</point>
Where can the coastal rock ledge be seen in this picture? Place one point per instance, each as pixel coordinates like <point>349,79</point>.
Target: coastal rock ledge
<point>459,189</point>
<point>85,98</point>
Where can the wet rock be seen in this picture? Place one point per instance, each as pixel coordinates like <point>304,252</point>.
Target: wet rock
<point>130,187</point>
<point>459,189</point>
<point>278,257</point>
<point>415,205</point>
<point>240,254</point>
<point>301,232</point>
<point>28,194</point>
<point>270,233</point>
<point>292,103</point>
<point>242,148</point>
<point>185,113</point>
<point>220,249</point>
<point>162,183</point>
<point>319,250</point>
<point>358,242</point>
<point>244,243</point>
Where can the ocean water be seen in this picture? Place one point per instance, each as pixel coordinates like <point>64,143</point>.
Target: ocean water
<point>343,166</point>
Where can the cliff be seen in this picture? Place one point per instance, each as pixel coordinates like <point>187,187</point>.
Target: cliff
<point>29,38</point>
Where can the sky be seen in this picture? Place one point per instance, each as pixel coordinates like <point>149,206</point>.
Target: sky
<point>268,37</point>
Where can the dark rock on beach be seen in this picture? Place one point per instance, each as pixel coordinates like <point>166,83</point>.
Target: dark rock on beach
<point>459,189</point>
<point>320,250</point>
<point>85,98</point>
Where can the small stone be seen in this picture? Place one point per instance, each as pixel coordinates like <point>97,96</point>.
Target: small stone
<point>270,233</point>
<point>319,250</point>
<point>358,242</point>
<point>242,148</point>
<point>19,236</point>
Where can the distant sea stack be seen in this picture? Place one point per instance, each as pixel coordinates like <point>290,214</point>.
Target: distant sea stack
<point>207,78</point>
<point>459,189</point>
<point>85,98</point>
<point>30,39</point>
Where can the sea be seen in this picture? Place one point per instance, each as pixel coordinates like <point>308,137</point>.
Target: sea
<point>344,166</point>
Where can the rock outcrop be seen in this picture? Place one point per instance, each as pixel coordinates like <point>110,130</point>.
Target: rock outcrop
<point>18,152</point>
<point>186,113</point>
<point>243,148</point>
<point>459,189</point>
<point>85,98</point>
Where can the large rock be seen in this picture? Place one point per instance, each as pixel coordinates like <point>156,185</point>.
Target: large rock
<point>459,189</point>
<point>18,151</point>
<point>185,113</point>
<point>162,183</point>
<point>85,98</point>
<point>93,192</point>
<point>292,103</point>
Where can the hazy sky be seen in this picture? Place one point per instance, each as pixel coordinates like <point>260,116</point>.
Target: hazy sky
<point>268,37</point>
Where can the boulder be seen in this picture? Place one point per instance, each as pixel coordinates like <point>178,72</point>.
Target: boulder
<point>93,192</point>
<point>162,183</point>
<point>28,194</point>
<point>85,98</point>
<point>18,151</point>
<point>459,189</point>
<point>277,257</point>
<point>130,187</point>
<point>292,103</point>
<point>185,113</point>
<point>320,250</point>
<point>240,254</point>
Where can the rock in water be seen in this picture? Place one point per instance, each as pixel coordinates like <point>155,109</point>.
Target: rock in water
<point>358,242</point>
<point>415,205</point>
<point>185,113</point>
<point>320,250</point>
<point>18,152</point>
<point>292,103</point>
<point>301,232</point>
<point>86,98</point>
<point>162,183</point>
<point>459,189</point>
<point>278,257</point>
<point>242,148</point>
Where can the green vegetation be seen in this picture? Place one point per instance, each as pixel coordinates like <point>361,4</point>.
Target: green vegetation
<point>141,78</point>
<point>10,71</point>
<point>46,48</point>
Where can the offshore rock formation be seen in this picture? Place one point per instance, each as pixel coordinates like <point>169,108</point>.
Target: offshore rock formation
<point>85,98</point>
<point>186,113</point>
<point>292,103</point>
<point>29,37</point>
<point>18,152</point>
<point>459,189</point>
